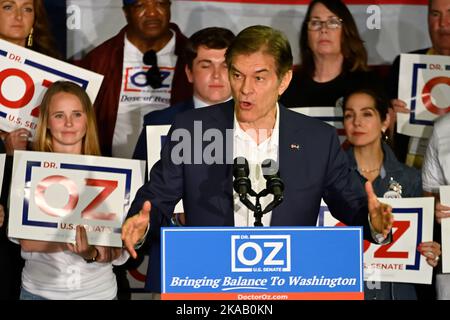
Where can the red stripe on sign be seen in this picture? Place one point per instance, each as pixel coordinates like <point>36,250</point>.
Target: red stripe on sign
<point>265,296</point>
<point>305,2</point>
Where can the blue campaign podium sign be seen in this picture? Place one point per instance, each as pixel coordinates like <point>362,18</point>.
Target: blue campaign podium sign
<point>262,263</point>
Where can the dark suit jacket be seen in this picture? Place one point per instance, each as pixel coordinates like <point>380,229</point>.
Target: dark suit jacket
<point>317,169</point>
<point>159,117</point>
<point>11,262</point>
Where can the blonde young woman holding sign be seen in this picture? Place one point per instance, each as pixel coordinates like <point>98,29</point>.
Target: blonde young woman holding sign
<point>56,270</point>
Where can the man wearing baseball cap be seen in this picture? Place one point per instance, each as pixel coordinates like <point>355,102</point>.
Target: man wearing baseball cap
<point>143,67</point>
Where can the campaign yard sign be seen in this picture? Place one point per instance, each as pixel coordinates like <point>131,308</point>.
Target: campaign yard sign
<point>25,75</point>
<point>424,84</point>
<point>156,137</point>
<point>398,261</point>
<point>52,193</point>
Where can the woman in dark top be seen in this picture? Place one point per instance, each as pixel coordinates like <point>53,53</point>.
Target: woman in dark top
<point>10,261</point>
<point>333,58</point>
<point>23,23</point>
<point>366,120</point>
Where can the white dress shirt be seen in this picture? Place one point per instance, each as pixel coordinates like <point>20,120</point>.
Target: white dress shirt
<point>245,146</point>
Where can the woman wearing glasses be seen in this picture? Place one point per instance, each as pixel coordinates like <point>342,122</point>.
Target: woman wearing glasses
<point>333,58</point>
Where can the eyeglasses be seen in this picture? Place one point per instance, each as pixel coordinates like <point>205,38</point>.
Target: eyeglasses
<point>153,74</point>
<point>332,23</point>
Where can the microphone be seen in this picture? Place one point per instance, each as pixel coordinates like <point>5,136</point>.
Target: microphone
<point>241,183</point>
<point>274,184</point>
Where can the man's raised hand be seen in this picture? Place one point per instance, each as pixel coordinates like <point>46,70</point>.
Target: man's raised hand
<point>380,213</point>
<point>133,230</point>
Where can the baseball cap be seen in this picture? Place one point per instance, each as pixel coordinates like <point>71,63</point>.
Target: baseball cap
<point>127,2</point>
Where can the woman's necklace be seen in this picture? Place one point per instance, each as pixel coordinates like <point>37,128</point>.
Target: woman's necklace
<point>369,170</point>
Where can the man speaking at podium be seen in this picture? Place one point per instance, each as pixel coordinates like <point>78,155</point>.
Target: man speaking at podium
<point>197,160</point>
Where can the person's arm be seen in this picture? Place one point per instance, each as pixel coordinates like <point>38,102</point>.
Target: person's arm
<point>2,215</point>
<point>135,229</point>
<point>440,211</point>
<point>433,177</point>
<point>430,250</point>
<point>41,246</point>
<point>380,214</point>
<point>82,247</point>
<point>347,200</point>
<point>160,195</point>
<point>432,171</point>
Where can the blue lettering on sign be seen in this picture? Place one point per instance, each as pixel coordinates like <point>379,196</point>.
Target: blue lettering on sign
<point>310,260</point>
<point>261,253</point>
<point>139,79</point>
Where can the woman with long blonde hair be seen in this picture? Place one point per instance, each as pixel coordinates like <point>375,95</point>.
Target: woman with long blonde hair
<point>67,125</point>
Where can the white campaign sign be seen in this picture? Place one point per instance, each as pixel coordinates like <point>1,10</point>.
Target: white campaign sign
<point>155,140</point>
<point>331,115</point>
<point>398,261</point>
<point>25,75</point>
<point>445,230</point>
<point>52,193</point>
<point>424,84</point>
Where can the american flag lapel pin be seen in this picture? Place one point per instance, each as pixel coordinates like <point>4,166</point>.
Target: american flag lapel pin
<point>295,146</point>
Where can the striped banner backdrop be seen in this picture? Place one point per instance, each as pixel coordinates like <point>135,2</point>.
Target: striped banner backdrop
<point>388,27</point>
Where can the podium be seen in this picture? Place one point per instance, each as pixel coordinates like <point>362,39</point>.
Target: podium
<point>276,263</point>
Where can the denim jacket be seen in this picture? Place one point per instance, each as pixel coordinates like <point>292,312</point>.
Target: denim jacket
<point>411,182</point>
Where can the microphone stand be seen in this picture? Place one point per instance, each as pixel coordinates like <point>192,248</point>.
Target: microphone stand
<point>256,208</point>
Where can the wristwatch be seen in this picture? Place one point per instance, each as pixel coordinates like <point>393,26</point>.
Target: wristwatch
<point>94,258</point>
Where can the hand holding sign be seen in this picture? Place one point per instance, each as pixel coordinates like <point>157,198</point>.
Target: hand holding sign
<point>399,106</point>
<point>431,250</point>
<point>81,246</point>
<point>107,254</point>
<point>441,212</point>
<point>134,228</point>
<point>16,140</point>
